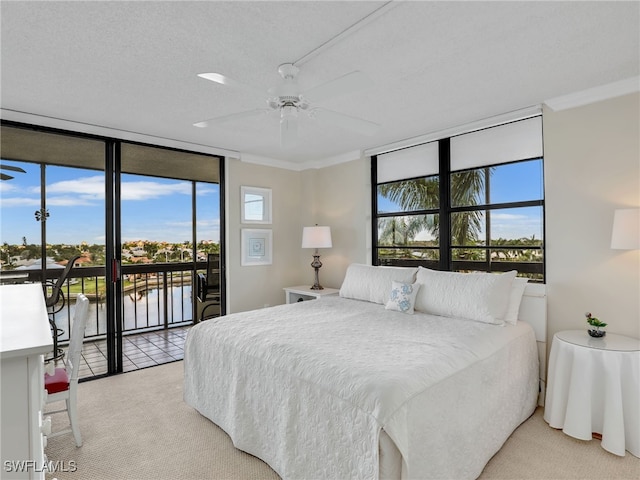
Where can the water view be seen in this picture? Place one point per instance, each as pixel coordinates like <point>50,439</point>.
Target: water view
<point>142,310</point>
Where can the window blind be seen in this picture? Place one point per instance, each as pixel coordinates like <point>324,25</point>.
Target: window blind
<point>414,162</point>
<point>501,144</point>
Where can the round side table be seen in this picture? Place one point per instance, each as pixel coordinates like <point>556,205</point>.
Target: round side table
<point>594,387</point>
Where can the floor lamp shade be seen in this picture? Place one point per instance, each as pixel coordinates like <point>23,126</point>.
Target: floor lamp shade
<point>626,229</point>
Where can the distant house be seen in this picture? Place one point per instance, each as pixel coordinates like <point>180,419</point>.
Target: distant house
<point>35,264</point>
<point>138,251</point>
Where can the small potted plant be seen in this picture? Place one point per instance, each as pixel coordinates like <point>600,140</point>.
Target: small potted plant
<point>594,322</point>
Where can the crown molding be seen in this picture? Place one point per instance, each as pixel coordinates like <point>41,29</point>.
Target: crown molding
<point>595,94</point>
<point>270,162</point>
<point>335,160</point>
<point>508,117</point>
<point>301,166</point>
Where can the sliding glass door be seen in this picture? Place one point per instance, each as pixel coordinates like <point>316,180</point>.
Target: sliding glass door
<point>140,220</point>
<point>53,211</point>
<point>169,221</point>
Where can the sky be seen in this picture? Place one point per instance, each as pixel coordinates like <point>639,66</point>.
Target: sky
<point>514,182</point>
<point>153,209</point>
<point>159,209</point>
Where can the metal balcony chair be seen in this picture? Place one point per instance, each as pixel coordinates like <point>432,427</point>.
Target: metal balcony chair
<point>55,302</point>
<point>63,384</point>
<point>208,286</point>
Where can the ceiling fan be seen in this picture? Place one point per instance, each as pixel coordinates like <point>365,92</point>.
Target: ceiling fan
<point>289,102</point>
<point>4,176</point>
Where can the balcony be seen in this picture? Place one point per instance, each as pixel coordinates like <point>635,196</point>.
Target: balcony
<point>139,350</point>
<point>157,311</point>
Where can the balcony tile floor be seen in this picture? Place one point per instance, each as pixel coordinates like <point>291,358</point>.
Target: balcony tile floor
<point>139,351</point>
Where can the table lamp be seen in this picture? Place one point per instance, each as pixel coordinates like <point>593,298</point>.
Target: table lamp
<point>316,237</point>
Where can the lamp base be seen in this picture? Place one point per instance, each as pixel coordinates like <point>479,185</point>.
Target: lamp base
<point>316,264</point>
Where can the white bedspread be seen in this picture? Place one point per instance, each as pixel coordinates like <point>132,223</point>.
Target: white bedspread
<point>307,387</point>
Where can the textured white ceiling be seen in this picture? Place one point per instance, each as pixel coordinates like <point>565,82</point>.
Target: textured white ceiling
<point>132,65</point>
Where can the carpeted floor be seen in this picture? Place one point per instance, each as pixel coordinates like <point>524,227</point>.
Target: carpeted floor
<point>136,426</point>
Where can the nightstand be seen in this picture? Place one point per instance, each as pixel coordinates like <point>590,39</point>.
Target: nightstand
<point>594,387</point>
<point>304,292</point>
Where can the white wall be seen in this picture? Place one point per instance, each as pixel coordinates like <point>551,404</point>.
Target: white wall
<point>338,196</point>
<point>592,167</point>
<point>251,287</point>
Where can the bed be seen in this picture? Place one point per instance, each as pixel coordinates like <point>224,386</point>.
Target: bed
<point>369,384</point>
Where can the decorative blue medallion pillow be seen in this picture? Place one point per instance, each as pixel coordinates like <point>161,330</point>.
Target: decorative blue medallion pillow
<point>402,297</point>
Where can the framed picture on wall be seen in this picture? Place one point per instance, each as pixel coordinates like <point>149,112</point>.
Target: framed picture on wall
<point>256,246</point>
<point>255,205</point>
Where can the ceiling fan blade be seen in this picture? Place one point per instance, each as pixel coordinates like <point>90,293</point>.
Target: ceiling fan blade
<point>341,120</point>
<point>351,82</point>
<point>288,131</point>
<point>11,167</point>
<point>4,176</point>
<point>232,116</point>
<point>230,82</point>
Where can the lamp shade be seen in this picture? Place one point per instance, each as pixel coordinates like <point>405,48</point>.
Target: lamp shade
<point>626,229</point>
<point>316,237</point>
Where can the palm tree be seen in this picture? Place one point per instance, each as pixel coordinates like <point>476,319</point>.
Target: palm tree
<point>410,195</point>
<point>419,194</point>
<point>467,189</point>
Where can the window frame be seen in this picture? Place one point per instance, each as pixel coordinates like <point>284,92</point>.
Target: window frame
<point>111,271</point>
<point>446,211</point>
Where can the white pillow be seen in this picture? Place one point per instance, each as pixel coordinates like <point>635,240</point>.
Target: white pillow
<point>402,297</point>
<point>515,298</point>
<point>482,297</point>
<point>373,284</point>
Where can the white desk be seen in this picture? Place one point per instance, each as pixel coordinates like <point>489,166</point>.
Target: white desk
<point>594,387</point>
<point>25,336</point>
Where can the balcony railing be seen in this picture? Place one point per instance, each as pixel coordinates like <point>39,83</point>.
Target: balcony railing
<point>154,296</point>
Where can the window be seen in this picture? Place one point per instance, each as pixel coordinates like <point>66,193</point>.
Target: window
<point>154,212</point>
<point>474,202</point>
<point>408,219</point>
<point>497,218</point>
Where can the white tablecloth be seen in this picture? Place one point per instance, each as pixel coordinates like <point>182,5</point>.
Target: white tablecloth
<point>594,386</point>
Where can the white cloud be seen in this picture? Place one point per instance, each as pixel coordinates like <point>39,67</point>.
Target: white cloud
<point>90,191</point>
<point>69,201</point>
<point>6,187</point>
<point>149,190</point>
<point>508,217</point>
<point>203,190</point>
<point>20,202</point>
<point>93,188</point>
<point>12,195</point>
<point>89,187</point>
<point>208,223</point>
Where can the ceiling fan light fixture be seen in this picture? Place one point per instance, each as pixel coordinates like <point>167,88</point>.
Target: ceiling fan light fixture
<point>288,111</point>
<point>288,130</point>
<point>287,100</point>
